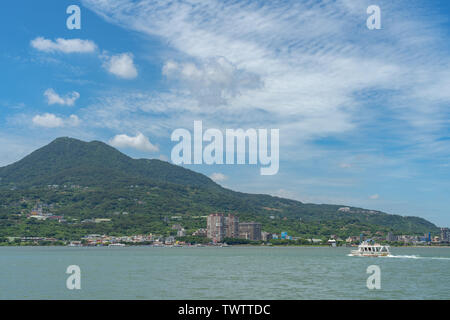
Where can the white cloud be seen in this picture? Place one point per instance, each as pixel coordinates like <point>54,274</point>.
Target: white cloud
<point>218,177</point>
<point>64,45</point>
<point>139,142</point>
<point>214,81</point>
<point>54,98</point>
<point>73,121</point>
<point>49,120</point>
<point>374,197</point>
<point>121,65</point>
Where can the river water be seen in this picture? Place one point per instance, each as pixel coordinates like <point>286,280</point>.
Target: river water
<point>221,273</point>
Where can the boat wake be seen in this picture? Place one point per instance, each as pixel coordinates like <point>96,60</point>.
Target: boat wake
<point>404,256</point>
<point>415,257</point>
<point>407,257</point>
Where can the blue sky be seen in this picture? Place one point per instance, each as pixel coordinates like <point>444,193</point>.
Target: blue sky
<point>363,114</point>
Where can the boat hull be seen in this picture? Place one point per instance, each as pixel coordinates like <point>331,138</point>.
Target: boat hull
<point>366,254</point>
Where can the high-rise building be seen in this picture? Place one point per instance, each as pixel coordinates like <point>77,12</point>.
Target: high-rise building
<point>216,227</point>
<point>250,230</point>
<point>231,226</point>
<point>391,237</point>
<point>445,235</point>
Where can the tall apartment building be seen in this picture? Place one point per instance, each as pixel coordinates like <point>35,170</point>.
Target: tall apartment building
<point>250,230</point>
<point>231,226</point>
<point>391,237</point>
<point>445,235</point>
<point>216,227</point>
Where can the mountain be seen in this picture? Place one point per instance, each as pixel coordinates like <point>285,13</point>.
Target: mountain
<point>86,180</point>
<point>67,160</point>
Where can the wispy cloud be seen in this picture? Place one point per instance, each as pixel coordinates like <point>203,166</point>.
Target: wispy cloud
<point>54,98</point>
<point>214,81</point>
<point>63,45</point>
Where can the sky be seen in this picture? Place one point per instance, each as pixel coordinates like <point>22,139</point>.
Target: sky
<point>363,115</point>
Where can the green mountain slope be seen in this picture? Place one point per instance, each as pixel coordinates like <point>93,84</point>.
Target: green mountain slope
<point>97,181</point>
<point>67,160</point>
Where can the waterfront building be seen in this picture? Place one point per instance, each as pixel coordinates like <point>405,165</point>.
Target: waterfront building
<point>445,235</point>
<point>200,232</point>
<point>352,239</point>
<point>232,226</point>
<point>266,236</point>
<point>169,240</point>
<point>391,237</point>
<point>250,230</point>
<point>216,227</point>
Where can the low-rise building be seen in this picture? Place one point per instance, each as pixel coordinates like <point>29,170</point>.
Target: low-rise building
<point>266,236</point>
<point>200,232</point>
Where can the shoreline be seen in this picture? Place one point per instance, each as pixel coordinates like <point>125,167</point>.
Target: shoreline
<point>213,246</point>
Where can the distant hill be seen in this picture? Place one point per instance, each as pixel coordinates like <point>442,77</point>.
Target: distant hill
<point>95,180</point>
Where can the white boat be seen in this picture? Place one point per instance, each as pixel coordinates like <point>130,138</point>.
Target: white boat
<point>116,245</point>
<point>368,249</point>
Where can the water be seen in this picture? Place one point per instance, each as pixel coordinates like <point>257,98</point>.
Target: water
<point>221,273</point>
